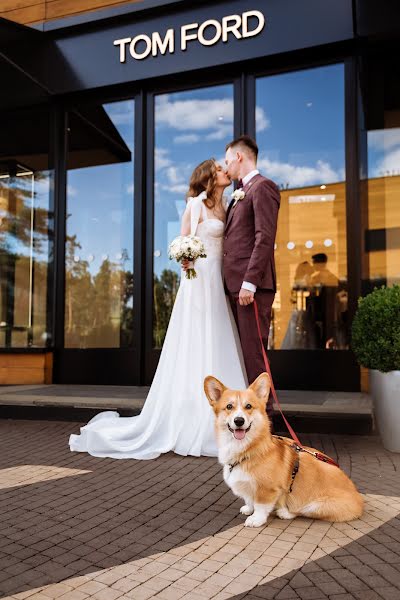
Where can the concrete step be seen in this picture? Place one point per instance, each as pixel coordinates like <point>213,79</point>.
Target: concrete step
<point>307,411</point>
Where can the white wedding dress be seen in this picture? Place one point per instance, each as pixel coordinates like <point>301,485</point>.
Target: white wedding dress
<point>201,340</point>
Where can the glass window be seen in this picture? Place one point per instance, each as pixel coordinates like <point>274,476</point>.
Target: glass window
<point>99,243</point>
<point>25,230</point>
<point>300,134</point>
<point>382,240</point>
<point>190,127</point>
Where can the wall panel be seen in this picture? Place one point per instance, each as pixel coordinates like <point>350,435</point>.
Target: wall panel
<point>37,11</point>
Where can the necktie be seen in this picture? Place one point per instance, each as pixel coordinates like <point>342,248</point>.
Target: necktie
<point>240,184</point>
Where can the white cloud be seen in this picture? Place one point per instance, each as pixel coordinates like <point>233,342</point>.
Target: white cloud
<point>389,165</point>
<point>199,115</point>
<point>120,113</point>
<point>298,176</point>
<point>190,138</point>
<point>262,120</point>
<point>384,139</point>
<point>223,131</point>
<point>179,188</point>
<point>161,158</point>
<point>71,191</point>
<point>194,115</point>
<point>177,180</point>
<point>173,175</point>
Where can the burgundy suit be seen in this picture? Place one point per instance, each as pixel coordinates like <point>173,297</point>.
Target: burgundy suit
<point>249,241</point>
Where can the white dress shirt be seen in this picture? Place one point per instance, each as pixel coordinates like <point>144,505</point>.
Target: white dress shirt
<point>246,285</point>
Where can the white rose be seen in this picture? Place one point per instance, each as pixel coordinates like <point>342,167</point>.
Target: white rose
<point>238,195</point>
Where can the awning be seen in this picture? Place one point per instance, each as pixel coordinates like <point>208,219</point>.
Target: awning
<point>19,86</point>
<point>25,113</point>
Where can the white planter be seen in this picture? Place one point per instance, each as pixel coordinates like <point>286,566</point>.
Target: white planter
<point>385,389</point>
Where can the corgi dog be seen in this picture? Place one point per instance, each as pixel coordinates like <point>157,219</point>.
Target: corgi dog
<point>267,471</point>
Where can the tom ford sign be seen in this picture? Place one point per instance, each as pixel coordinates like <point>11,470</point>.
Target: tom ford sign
<point>197,36</point>
<point>238,26</point>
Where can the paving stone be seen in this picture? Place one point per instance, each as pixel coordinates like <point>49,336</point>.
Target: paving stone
<point>77,527</point>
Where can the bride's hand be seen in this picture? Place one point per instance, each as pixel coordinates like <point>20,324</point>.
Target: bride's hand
<point>185,264</point>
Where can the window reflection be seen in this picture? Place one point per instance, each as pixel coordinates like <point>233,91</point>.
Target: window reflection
<point>24,240</point>
<point>382,240</point>
<point>300,134</point>
<point>99,242</point>
<point>190,127</point>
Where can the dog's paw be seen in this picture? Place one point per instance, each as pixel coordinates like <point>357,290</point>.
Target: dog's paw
<point>246,510</point>
<point>255,521</point>
<point>283,513</point>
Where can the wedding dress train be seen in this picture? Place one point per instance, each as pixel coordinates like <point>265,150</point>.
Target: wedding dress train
<point>201,340</point>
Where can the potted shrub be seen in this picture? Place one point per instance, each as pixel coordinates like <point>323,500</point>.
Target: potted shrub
<point>376,344</point>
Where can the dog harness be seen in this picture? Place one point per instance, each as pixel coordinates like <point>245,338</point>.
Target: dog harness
<point>296,465</point>
<point>235,464</point>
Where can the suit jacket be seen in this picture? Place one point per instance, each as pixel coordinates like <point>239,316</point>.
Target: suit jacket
<point>249,237</point>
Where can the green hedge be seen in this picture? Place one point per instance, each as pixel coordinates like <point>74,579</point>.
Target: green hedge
<point>376,330</point>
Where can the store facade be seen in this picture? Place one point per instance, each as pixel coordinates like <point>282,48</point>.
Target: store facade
<point>103,118</point>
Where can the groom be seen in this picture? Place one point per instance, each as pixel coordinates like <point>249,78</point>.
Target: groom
<point>248,261</point>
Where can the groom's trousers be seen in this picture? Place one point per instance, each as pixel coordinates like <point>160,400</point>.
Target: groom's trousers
<point>248,332</point>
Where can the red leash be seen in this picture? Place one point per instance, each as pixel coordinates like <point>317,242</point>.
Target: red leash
<point>299,445</point>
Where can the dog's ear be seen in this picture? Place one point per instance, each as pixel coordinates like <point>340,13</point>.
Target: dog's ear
<point>261,386</point>
<point>213,389</point>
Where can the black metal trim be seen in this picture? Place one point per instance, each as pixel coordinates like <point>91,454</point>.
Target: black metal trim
<point>139,249</point>
<point>100,366</point>
<point>238,108</point>
<point>250,105</point>
<point>149,239</point>
<point>315,370</point>
<point>353,203</point>
<point>60,130</point>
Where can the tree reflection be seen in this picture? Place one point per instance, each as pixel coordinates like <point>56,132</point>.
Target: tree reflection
<point>165,289</point>
<point>25,229</point>
<point>98,310</point>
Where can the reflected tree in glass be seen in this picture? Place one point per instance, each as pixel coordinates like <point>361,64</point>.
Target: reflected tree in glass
<point>24,254</point>
<point>99,244</point>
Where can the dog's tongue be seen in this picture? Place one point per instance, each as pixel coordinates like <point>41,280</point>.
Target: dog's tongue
<point>239,434</point>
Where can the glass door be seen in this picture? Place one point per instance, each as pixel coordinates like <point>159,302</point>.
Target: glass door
<point>189,127</point>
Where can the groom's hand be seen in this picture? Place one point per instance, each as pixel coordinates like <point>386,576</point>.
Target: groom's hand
<point>245,297</point>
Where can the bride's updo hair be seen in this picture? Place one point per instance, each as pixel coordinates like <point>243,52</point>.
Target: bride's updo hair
<point>204,179</point>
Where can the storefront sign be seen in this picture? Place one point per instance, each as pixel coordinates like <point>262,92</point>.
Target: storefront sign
<point>208,33</point>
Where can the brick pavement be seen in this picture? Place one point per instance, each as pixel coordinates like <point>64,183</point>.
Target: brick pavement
<point>77,527</point>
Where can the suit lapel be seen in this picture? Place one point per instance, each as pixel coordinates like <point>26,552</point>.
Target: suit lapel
<point>246,189</point>
<point>229,213</point>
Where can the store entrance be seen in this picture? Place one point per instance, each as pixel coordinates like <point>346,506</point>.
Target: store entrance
<point>299,124</point>
<point>125,200</point>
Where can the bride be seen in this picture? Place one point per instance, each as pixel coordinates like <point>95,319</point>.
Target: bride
<point>201,340</point>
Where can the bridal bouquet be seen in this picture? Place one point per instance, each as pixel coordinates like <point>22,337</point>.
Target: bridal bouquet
<point>187,247</point>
